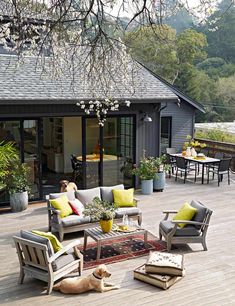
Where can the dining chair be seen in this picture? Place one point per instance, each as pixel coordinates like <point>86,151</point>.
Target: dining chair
<point>185,167</point>
<point>170,160</point>
<point>220,170</point>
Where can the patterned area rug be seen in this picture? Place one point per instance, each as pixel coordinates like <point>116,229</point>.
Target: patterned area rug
<point>120,249</point>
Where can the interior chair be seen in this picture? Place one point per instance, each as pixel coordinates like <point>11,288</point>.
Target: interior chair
<point>38,260</point>
<point>77,168</point>
<point>185,167</point>
<point>194,232</point>
<point>171,150</point>
<point>220,170</point>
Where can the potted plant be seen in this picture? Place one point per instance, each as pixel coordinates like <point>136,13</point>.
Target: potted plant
<point>146,173</point>
<point>102,211</point>
<point>17,185</point>
<point>160,172</point>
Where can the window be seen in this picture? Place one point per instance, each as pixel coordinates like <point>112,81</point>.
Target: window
<point>166,133</point>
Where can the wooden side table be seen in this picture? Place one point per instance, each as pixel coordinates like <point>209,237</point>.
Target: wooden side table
<point>97,235</point>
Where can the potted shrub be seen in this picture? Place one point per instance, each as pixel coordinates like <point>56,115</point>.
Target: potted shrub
<point>102,211</point>
<point>146,173</point>
<point>17,185</point>
<point>160,172</point>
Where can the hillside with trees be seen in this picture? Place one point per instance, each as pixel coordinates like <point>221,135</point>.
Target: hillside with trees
<point>199,59</point>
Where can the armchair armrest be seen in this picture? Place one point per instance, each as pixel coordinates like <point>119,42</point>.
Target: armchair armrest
<point>189,222</point>
<point>69,246</point>
<point>53,210</point>
<point>136,201</point>
<point>167,212</point>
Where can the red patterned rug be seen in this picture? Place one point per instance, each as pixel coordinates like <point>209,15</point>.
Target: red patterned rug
<point>120,249</point>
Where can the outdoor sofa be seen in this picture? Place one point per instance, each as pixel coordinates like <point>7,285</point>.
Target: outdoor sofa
<point>74,223</point>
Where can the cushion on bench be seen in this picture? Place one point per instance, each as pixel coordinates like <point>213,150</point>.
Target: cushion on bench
<point>107,192</point>
<point>74,220</point>
<point>86,196</point>
<point>188,230</point>
<point>130,211</point>
<point>38,239</point>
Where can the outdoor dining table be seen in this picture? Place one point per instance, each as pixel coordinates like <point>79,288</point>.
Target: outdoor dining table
<point>199,160</point>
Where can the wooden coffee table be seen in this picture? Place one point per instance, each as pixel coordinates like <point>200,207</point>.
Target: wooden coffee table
<point>97,235</point>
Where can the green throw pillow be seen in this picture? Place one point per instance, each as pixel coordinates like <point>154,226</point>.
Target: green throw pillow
<point>186,213</point>
<point>54,241</point>
<point>62,204</point>
<point>124,198</point>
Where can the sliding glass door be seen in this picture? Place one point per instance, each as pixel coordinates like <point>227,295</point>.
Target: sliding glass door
<point>109,151</point>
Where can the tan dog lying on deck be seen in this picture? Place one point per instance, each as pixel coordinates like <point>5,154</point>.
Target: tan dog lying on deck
<point>67,186</point>
<point>94,281</point>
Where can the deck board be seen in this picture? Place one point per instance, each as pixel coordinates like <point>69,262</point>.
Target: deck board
<point>210,275</point>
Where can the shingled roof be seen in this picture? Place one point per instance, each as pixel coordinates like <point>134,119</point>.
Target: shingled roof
<point>26,83</point>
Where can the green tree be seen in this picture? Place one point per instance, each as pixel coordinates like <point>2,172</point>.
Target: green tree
<point>155,47</point>
<point>220,32</point>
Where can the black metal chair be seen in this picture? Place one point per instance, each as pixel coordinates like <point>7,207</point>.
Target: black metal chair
<point>77,168</point>
<point>171,161</point>
<point>185,167</point>
<point>220,170</point>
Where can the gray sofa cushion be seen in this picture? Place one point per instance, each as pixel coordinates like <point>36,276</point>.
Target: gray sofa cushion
<point>188,230</point>
<point>62,261</point>
<point>87,195</point>
<point>107,192</point>
<point>200,214</point>
<point>74,220</point>
<point>70,195</point>
<point>35,238</point>
<point>130,211</point>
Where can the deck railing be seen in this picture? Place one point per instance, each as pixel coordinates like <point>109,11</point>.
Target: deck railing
<point>228,149</point>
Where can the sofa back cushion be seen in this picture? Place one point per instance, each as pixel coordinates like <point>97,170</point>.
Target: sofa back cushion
<point>35,238</point>
<point>70,194</point>
<point>86,196</point>
<point>107,192</point>
<point>200,214</point>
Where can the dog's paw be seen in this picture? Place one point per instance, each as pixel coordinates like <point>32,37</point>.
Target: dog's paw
<point>116,287</point>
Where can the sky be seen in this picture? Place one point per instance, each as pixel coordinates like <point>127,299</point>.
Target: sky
<point>194,5</point>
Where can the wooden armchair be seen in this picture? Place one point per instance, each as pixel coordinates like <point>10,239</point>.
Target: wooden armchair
<point>194,232</point>
<point>37,259</point>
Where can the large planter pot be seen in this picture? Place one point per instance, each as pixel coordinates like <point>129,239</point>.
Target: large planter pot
<point>106,225</point>
<point>19,201</point>
<point>159,181</point>
<point>147,187</point>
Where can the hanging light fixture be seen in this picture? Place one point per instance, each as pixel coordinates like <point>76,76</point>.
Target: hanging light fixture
<point>147,118</point>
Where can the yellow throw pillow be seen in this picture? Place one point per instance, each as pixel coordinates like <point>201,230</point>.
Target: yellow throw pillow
<point>186,212</point>
<point>123,198</point>
<point>54,241</point>
<point>62,204</point>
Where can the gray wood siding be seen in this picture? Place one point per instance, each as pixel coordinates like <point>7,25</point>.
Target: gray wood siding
<point>182,122</point>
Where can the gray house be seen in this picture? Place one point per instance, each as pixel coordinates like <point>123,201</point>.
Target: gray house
<point>40,115</point>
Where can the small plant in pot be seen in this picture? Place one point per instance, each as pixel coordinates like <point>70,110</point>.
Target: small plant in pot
<point>161,167</point>
<point>17,185</point>
<point>102,211</point>
<point>146,173</point>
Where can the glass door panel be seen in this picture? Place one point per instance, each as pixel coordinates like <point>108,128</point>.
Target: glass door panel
<point>9,132</point>
<point>118,155</point>
<point>92,156</point>
<point>31,155</point>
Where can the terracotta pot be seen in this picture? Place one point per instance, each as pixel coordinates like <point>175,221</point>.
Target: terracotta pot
<point>106,225</point>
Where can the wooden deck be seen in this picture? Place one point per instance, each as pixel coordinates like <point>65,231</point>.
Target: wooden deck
<point>210,275</point>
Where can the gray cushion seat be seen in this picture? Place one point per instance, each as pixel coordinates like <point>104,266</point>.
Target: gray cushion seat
<point>72,220</point>
<point>188,230</point>
<point>130,211</point>
<point>63,260</point>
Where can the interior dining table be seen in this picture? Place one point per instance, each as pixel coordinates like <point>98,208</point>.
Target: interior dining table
<point>204,161</point>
